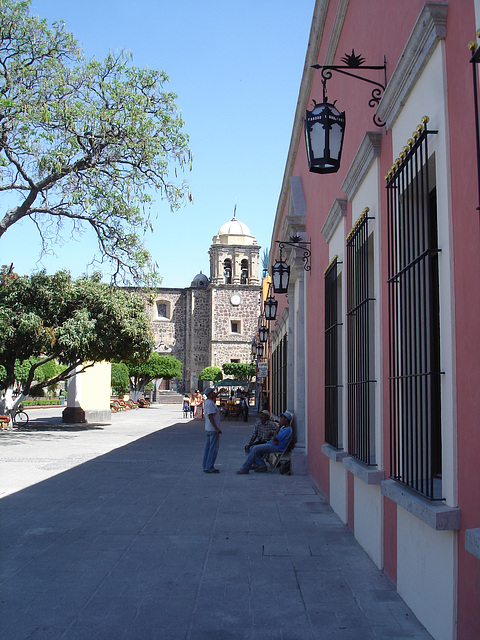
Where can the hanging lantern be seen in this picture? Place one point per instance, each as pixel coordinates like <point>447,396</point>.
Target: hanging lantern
<point>263,333</point>
<point>259,350</point>
<point>324,129</point>
<point>280,276</point>
<point>270,307</point>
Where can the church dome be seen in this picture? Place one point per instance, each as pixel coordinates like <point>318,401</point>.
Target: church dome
<point>234,228</point>
<point>234,232</point>
<point>200,280</point>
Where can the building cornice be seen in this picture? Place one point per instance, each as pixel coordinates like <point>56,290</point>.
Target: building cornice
<point>430,28</point>
<point>368,150</point>
<point>336,213</point>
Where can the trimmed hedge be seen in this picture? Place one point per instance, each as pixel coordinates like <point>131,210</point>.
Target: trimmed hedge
<point>40,402</point>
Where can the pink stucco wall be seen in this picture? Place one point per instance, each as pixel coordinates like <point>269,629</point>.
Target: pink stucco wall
<point>466,243</point>
<point>384,32</point>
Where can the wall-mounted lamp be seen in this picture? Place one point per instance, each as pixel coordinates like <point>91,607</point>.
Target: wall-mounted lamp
<point>475,60</point>
<point>270,308</point>
<point>263,333</point>
<point>281,270</point>
<point>280,276</point>
<point>325,125</point>
<point>324,129</point>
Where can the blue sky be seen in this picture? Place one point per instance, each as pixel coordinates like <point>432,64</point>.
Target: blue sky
<point>236,66</point>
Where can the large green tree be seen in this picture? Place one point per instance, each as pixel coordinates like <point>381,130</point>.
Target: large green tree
<point>74,322</point>
<point>211,373</point>
<point>84,140</point>
<point>119,379</point>
<point>157,367</point>
<point>238,370</point>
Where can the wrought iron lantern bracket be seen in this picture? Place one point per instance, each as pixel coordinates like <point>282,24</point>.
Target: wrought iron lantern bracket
<point>475,60</point>
<point>352,64</point>
<point>296,242</point>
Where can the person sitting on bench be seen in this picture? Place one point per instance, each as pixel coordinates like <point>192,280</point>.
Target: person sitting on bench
<point>262,431</point>
<point>279,442</point>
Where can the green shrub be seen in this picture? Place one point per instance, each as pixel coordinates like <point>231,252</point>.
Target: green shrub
<point>38,402</point>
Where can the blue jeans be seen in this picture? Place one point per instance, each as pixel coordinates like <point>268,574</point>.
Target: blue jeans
<point>211,450</point>
<point>256,455</point>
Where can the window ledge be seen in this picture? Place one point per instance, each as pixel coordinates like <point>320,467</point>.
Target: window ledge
<point>472,542</point>
<point>369,475</point>
<point>337,455</point>
<point>436,515</point>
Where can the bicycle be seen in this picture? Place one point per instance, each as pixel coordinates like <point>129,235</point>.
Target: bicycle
<point>20,418</point>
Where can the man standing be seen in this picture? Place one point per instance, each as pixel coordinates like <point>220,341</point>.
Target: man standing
<point>262,431</point>
<point>212,430</point>
<point>279,442</point>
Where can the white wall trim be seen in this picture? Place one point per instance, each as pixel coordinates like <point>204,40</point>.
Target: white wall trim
<point>336,31</point>
<point>430,28</point>
<point>436,515</point>
<point>369,149</point>
<point>369,475</point>
<point>336,213</point>
<point>337,455</point>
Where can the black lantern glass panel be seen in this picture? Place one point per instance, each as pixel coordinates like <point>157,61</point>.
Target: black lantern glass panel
<point>280,276</point>
<point>324,129</point>
<point>270,308</point>
<point>259,349</point>
<point>263,333</point>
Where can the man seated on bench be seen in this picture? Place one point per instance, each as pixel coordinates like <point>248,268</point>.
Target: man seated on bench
<point>262,431</point>
<point>279,442</point>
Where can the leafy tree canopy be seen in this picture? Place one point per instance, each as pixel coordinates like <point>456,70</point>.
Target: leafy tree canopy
<point>120,380</point>
<point>45,318</point>
<point>211,373</point>
<point>157,367</point>
<point>84,140</point>
<point>238,370</point>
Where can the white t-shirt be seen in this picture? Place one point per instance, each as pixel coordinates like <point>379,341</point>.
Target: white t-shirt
<point>210,408</point>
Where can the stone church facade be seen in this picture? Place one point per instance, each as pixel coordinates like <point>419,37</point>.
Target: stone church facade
<point>213,321</point>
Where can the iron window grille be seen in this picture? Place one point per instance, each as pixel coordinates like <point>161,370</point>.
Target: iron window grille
<point>279,377</point>
<point>333,336</point>
<point>414,324</point>
<point>360,343</point>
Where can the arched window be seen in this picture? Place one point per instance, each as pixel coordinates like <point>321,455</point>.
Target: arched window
<point>244,272</point>
<point>227,271</point>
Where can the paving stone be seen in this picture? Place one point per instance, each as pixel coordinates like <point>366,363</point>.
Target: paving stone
<point>114,533</point>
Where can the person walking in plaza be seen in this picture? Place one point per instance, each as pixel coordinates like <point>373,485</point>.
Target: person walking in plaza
<point>262,431</point>
<point>198,404</point>
<point>212,431</point>
<point>186,405</point>
<point>279,442</point>
<point>245,407</point>
<point>192,405</point>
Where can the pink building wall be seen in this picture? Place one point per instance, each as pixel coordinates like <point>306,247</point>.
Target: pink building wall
<point>384,31</point>
<point>466,242</point>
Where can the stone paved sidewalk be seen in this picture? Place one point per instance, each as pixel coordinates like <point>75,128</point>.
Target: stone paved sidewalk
<point>135,542</point>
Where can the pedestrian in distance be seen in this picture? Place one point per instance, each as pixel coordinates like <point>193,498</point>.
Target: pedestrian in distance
<point>191,398</point>
<point>212,431</point>
<point>198,404</point>
<point>245,407</point>
<point>186,405</point>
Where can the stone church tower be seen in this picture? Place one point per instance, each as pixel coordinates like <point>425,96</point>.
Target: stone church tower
<point>235,290</point>
<point>214,320</point>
